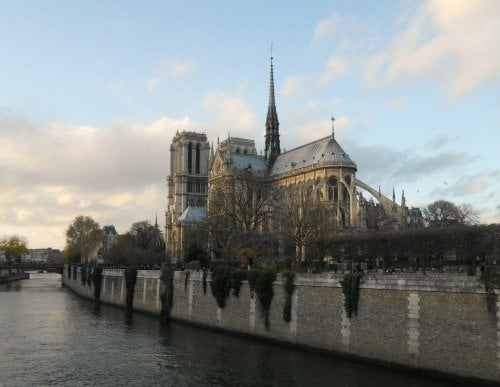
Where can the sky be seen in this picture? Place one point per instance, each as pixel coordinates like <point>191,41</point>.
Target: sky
<point>92,92</point>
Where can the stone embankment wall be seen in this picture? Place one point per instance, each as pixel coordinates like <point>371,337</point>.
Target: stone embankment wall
<point>113,290</point>
<point>437,323</point>
<point>13,274</point>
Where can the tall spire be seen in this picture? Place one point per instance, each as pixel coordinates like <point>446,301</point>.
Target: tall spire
<point>272,148</point>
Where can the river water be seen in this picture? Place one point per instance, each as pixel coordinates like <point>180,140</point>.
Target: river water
<point>48,335</point>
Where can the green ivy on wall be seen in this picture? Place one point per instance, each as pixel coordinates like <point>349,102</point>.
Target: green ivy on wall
<point>221,284</point>
<point>130,280</point>
<point>83,275</point>
<point>96,280</point>
<point>350,288</point>
<point>289,286</point>
<point>236,278</point>
<point>261,282</point>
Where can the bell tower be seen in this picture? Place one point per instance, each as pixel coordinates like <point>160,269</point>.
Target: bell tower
<point>187,183</point>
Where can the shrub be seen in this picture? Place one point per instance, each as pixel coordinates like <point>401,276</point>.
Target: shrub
<point>96,280</point>
<point>130,280</point>
<point>236,278</point>
<point>69,271</point>
<point>89,276</point>
<point>261,282</point>
<point>75,268</point>
<point>221,284</point>
<point>83,275</point>
<point>350,288</point>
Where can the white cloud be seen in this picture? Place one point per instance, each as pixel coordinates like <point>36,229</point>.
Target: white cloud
<point>234,116</point>
<point>153,84</point>
<point>335,67</point>
<point>454,40</point>
<point>52,172</point>
<point>395,102</point>
<point>326,28</point>
<point>292,86</point>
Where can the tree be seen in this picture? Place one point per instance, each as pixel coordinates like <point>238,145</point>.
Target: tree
<point>239,206</point>
<point>84,238</point>
<point>304,217</point>
<point>142,245</point>
<point>15,247</point>
<point>144,236</point>
<point>443,213</point>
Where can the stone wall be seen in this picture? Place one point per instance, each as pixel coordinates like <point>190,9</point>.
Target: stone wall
<point>113,290</point>
<point>437,323</point>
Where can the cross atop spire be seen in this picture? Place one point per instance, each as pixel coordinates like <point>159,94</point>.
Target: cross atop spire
<point>272,148</point>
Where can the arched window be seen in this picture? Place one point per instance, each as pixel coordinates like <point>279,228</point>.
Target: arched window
<point>190,158</point>
<point>197,158</point>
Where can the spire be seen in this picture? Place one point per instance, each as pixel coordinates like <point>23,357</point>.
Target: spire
<point>333,127</point>
<point>393,195</point>
<point>156,220</point>
<point>272,148</point>
<point>403,199</point>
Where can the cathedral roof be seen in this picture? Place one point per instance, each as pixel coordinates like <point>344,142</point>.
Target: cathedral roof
<point>254,163</point>
<point>325,151</point>
<point>192,215</point>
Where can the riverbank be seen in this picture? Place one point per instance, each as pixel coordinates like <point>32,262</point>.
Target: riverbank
<point>9,275</point>
<point>436,324</point>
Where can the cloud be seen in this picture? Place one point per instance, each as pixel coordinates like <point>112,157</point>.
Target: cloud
<point>445,38</point>
<point>336,67</point>
<point>50,172</point>
<point>395,102</point>
<point>170,70</point>
<point>439,140</point>
<point>153,84</point>
<point>326,28</point>
<point>234,115</point>
<point>464,186</point>
<point>116,86</point>
<point>292,86</point>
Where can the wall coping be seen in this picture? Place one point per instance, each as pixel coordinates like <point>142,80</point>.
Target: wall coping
<point>432,282</point>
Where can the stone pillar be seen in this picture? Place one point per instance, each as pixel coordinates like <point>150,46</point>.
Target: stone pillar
<point>413,325</point>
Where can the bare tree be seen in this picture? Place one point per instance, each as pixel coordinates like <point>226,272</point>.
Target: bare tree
<point>239,204</point>
<point>442,213</point>
<point>304,218</point>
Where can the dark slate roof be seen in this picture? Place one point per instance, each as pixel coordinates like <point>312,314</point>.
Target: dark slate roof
<point>241,161</point>
<point>325,151</point>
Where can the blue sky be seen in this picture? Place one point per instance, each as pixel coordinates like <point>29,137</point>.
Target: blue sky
<point>92,92</point>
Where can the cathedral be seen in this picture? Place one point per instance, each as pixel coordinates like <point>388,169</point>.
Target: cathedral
<point>321,168</point>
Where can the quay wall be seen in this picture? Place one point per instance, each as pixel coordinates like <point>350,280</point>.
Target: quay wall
<point>13,274</point>
<point>435,323</point>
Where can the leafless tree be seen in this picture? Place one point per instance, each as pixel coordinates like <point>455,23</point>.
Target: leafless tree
<point>239,204</point>
<point>442,213</point>
<point>304,217</point>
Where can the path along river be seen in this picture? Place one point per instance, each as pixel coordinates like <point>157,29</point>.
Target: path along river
<point>49,335</point>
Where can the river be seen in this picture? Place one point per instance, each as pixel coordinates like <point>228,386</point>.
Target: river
<point>50,336</point>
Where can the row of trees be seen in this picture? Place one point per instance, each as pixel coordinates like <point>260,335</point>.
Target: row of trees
<point>86,241</point>
<point>250,218</point>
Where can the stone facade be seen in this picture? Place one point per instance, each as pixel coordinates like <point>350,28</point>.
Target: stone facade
<point>187,187</point>
<point>433,323</point>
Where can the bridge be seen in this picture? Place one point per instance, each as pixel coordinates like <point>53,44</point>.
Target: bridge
<point>42,267</point>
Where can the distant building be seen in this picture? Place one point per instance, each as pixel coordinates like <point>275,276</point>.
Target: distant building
<point>47,255</point>
<point>110,235</point>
